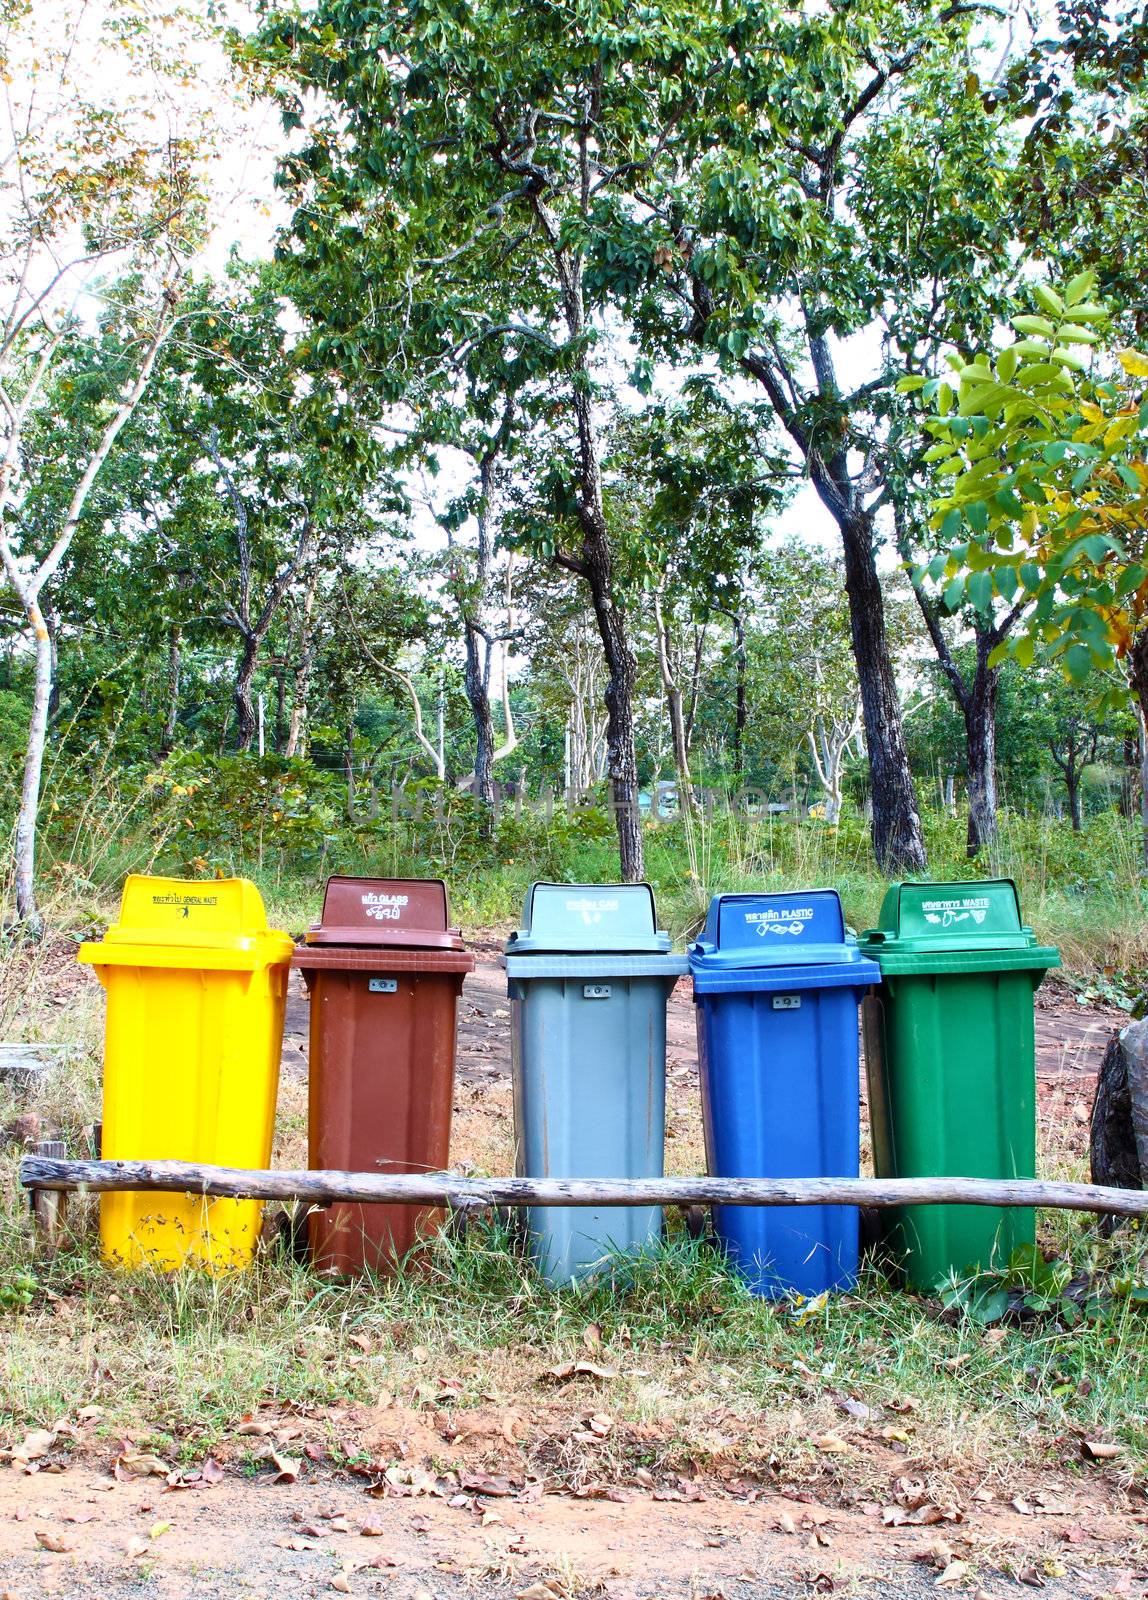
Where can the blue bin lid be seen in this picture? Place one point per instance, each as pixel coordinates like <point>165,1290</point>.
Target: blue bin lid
<point>600,917</point>
<point>798,929</point>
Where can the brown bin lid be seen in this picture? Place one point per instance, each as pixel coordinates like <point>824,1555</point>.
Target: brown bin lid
<point>408,913</point>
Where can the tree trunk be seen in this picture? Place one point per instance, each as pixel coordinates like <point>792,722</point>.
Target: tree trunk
<point>897,838</point>
<point>980,715</point>
<point>741,715</point>
<point>280,734</point>
<point>476,679</point>
<point>25,854</point>
<point>303,665</point>
<point>1129,776</point>
<point>1119,1122</point>
<point>673,693</point>
<point>685,781</point>
<point>349,761</point>
<point>52,623</point>
<point>1072,785</point>
<point>622,761</point>
<point>596,566</point>
<point>245,719</point>
<point>695,683</point>
<point>171,718</point>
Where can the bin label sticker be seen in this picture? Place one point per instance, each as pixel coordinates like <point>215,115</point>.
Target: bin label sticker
<point>591,909</point>
<point>944,913</point>
<point>780,920</point>
<point>384,907</point>
<point>186,901</point>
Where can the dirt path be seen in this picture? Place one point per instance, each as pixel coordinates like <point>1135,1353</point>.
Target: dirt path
<point>80,1535</point>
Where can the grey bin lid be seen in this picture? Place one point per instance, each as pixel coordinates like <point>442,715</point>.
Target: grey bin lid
<point>592,917</point>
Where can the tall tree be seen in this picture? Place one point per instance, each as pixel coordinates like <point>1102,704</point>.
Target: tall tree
<point>92,183</point>
<point>465,171</point>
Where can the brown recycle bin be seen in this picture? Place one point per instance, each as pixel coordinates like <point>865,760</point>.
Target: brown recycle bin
<point>384,971</point>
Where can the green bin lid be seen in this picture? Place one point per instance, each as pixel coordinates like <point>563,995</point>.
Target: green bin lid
<point>602,917</point>
<point>965,925</point>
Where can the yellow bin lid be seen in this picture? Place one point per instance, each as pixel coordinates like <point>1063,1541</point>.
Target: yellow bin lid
<point>185,922</point>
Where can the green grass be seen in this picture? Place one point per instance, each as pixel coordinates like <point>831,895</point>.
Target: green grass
<point>181,1359</point>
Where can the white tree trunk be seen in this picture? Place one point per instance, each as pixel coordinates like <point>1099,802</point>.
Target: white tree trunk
<point>27,912</point>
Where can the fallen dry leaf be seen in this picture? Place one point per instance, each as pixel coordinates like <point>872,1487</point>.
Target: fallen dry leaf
<point>135,1547</point>
<point>830,1444</point>
<point>140,1466</point>
<point>956,1572</point>
<point>786,1523</point>
<point>211,1471</point>
<point>600,1424</point>
<point>79,1516</point>
<point>341,1582</point>
<point>287,1468</point>
<point>1100,1450</point>
<point>372,1530</point>
<point>158,1529</point>
<point>339,1525</point>
<point>575,1369</point>
<point>955,1363</point>
<point>34,1445</point>
<point>939,1552</point>
<point>52,1541</point>
<point>485,1483</point>
<point>254,1430</point>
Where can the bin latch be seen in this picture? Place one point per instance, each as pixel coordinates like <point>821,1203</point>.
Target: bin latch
<point>595,991</point>
<point>787,1002</point>
<point>382,985</point>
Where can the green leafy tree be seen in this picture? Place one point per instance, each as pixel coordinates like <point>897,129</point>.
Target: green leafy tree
<point>693,481</point>
<point>466,164</point>
<point>93,184</point>
<point>812,191</point>
<point>1042,444</point>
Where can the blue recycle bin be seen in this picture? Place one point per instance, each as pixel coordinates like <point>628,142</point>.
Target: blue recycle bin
<point>777,985</point>
<point>588,976</point>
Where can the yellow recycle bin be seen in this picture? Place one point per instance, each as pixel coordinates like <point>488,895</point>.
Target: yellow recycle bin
<point>196,986</point>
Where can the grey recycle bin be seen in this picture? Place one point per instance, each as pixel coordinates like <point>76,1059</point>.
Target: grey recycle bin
<point>588,976</point>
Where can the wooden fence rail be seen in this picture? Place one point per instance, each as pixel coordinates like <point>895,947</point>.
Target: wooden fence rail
<point>38,1173</point>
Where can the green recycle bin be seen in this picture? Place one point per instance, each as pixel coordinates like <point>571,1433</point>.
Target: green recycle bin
<point>950,1054</point>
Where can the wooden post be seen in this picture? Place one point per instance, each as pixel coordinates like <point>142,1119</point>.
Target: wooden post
<point>450,1190</point>
<point>49,1206</point>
